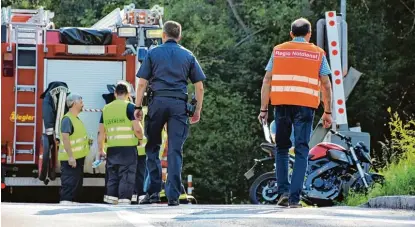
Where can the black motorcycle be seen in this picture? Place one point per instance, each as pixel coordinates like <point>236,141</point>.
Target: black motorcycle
<point>332,172</point>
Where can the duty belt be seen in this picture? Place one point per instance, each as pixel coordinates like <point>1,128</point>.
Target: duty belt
<point>171,94</point>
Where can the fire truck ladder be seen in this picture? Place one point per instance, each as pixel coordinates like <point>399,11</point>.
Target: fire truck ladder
<point>26,36</point>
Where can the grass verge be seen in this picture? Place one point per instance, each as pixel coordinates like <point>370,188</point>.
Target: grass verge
<point>399,180</point>
<point>400,171</point>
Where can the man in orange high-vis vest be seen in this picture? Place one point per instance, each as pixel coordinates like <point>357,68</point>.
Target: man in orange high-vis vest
<point>295,73</point>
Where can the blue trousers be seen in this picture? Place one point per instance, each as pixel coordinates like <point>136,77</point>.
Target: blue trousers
<point>72,180</point>
<point>121,171</point>
<point>301,118</point>
<point>172,111</point>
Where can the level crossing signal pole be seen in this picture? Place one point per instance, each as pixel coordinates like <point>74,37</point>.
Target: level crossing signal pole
<point>332,37</point>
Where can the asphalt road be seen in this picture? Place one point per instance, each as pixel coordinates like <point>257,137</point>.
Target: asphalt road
<point>89,215</point>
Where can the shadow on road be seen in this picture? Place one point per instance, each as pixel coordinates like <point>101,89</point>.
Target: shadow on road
<point>68,210</point>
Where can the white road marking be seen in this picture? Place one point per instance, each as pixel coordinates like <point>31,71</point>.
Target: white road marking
<point>266,211</point>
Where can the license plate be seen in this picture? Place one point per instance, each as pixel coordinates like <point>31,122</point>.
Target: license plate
<point>250,173</point>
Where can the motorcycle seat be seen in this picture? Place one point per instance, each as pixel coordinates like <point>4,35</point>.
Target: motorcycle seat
<point>268,147</point>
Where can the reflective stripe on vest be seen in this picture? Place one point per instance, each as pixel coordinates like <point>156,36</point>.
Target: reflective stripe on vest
<point>297,78</point>
<point>120,137</point>
<point>80,148</point>
<point>118,128</point>
<point>78,140</point>
<point>75,149</point>
<point>295,74</point>
<point>295,89</point>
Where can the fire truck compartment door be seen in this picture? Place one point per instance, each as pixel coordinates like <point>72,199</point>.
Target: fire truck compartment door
<point>89,79</point>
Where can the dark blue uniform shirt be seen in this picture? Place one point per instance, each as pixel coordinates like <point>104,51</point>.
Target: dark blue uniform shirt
<point>168,66</point>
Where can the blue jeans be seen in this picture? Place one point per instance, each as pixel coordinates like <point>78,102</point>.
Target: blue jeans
<point>301,118</point>
<point>274,131</point>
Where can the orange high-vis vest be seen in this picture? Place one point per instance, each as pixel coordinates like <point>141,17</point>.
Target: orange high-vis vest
<point>295,74</point>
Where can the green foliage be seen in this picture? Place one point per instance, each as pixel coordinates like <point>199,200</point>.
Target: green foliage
<point>400,173</point>
<point>402,142</point>
<point>220,147</point>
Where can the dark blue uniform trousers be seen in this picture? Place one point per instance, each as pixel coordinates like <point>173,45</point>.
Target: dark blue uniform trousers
<point>302,119</point>
<point>121,171</point>
<point>139,180</point>
<point>160,111</point>
<point>71,180</point>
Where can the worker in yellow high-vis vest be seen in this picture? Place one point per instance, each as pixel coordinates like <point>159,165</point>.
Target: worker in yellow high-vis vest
<point>122,133</point>
<point>73,149</point>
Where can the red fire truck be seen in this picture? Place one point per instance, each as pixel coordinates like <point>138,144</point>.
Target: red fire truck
<point>41,65</point>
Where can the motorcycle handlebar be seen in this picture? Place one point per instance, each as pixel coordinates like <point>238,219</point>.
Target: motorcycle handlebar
<point>343,137</point>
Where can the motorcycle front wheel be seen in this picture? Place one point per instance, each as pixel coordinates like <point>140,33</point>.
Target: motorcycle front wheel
<point>264,189</point>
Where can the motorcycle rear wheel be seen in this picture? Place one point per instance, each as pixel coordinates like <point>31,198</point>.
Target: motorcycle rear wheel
<point>259,185</point>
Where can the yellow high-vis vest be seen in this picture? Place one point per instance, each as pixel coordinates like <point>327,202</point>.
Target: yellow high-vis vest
<point>118,128</point>
<point>78,139</point>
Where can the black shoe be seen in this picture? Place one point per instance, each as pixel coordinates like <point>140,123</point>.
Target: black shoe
<point>283,201</point>
<point>174,203</point>
<point>149,199</point>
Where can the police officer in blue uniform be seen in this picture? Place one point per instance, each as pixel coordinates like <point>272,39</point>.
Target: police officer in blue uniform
<point>166,70</point>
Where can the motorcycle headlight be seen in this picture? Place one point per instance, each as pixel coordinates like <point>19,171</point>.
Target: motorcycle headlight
<point>366,157</point>
<point>363,153</point>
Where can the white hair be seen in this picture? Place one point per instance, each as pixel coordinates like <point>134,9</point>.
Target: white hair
<point>72,99</point>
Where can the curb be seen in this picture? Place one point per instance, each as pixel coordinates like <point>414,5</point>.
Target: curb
<point>391,202</point>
